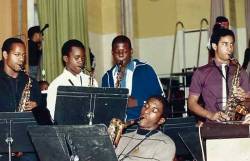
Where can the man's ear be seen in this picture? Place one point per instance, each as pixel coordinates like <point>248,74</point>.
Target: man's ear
<point>161,121</point>
<point>5,55</point>
<point>214,46</point>
<point>65,58</point>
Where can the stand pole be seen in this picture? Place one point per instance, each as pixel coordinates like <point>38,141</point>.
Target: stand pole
<point>9,141</point>
<point>90,115</point>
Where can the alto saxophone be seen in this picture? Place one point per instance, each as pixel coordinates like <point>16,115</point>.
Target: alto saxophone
<point>25,96</point>
<point>116,128</point>
<point>235,107</point>
<point>91,76</point>
<point>120,74</point>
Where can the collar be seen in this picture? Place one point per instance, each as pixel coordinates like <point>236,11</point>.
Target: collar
<point>70,74</point>
<point>218,64</point>
<point>130,66</point>
<point>20,74</point>
<point>147,133</point>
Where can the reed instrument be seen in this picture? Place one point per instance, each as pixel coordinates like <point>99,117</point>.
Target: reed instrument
<point>116,128</point>
<point>120,74</point>
<point>25,94</point>
<point>235,107</point>
<point>91,76</point>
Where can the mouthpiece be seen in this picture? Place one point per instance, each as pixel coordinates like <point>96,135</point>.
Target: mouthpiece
<point>138,119</point>
<point>22,69</point>
<point>231,56</point>
<point>132,122</point>
<point>233,59</point>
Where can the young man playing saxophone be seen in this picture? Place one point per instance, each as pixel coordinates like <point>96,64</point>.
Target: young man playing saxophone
<point>73,58</point>
<point>148,142</point>
<point>140,78</point>
<point>214,80</point>
<point>13,96</point>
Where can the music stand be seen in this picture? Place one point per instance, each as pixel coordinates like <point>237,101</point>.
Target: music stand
<point>13,133</point>
<point>72,142</point>
<point>173,127</point>
<point>89,105</point>
<point>190,139</point>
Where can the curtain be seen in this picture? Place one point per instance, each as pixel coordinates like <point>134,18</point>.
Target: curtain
<point>127,18</point>
<point>247,4</point>
<point>67,20</point>
<point>217,9</point>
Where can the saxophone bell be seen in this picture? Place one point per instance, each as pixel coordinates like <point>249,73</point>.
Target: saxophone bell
<point>116,128</point>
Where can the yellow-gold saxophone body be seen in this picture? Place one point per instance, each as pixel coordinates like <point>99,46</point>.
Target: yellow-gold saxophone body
<point>235,106</point>
<point>25,96</point>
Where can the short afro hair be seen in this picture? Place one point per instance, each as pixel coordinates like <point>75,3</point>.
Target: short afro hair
<point>121,39</point>
<point>7,44</point>
<point>33,30</point>
<point>67,46</point>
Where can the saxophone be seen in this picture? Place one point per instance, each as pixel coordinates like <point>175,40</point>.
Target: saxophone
<point>91,76</point>
<point>120,74</point>
<point>25,96</point>
<point>235,107</point>
<point>116,128</point>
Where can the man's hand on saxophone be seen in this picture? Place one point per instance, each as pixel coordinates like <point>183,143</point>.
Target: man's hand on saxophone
<point>218,116</point>
<point>246,119</point>
<point>30,105</point>
<point>247,103</point>
<point>132,102</point>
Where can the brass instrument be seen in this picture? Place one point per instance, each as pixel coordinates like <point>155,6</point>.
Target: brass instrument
<point>91,76</point>
<point>25,95</point>
<point>91,79</point>
<point>116,128</point>
<point>235,107</point>
<point>120,74</point>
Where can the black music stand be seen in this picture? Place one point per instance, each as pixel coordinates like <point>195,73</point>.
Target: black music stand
<point>190,138</point>
<point>173,127</point>
<point>72,143</point>
<point>13,134</point>
<point>89,105</point>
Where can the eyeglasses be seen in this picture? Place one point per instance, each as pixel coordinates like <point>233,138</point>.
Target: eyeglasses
<point>17,54</point>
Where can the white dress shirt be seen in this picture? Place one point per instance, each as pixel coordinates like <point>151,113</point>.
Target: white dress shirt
<point>66,78</point>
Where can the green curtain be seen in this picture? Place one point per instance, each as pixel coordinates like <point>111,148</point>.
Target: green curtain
<point>67,20</point>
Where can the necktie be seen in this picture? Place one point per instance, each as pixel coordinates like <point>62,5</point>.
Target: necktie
<point>224,86</point>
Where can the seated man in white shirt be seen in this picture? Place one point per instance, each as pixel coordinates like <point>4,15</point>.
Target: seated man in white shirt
<point>73,58</point>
